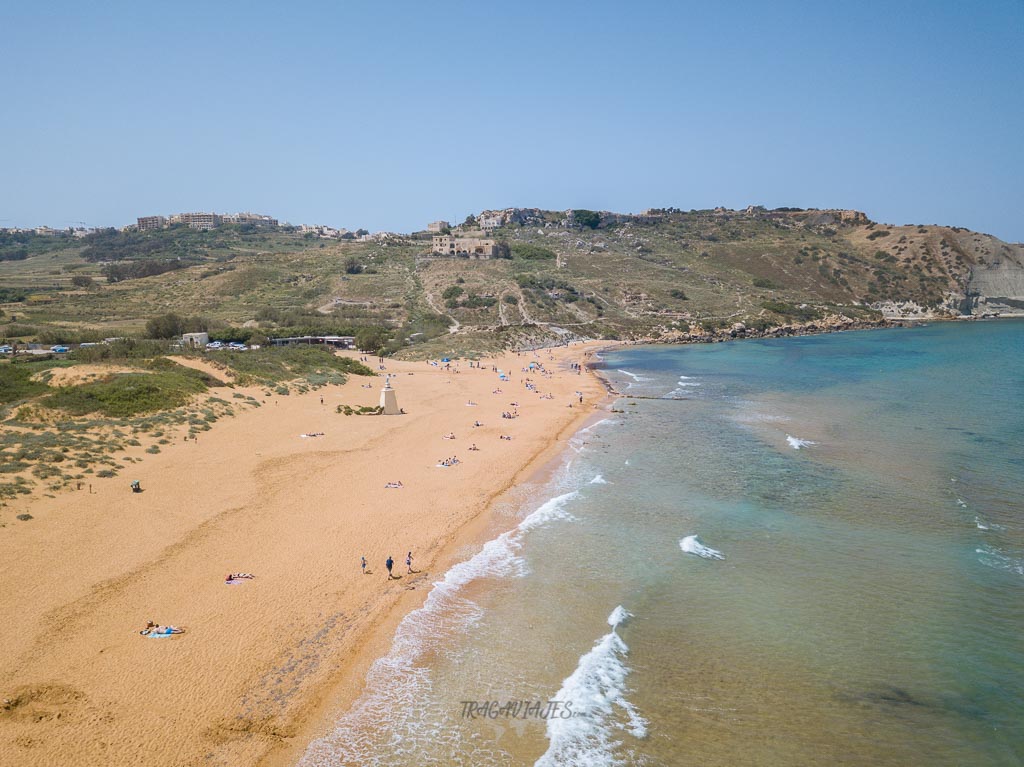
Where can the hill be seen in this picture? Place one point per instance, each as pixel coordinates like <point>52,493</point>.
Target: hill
<point>665,273</point>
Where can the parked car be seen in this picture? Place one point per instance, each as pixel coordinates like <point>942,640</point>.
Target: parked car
<point>60,349</point>
<point>215,345</point>
<point>6,349</point>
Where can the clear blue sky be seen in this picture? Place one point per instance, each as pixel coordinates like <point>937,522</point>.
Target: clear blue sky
<point>390,114</point>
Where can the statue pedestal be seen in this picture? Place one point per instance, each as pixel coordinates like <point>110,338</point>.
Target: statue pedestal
<point>389,402</point>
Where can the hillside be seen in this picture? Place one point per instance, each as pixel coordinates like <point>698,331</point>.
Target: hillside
<point>571,274</point>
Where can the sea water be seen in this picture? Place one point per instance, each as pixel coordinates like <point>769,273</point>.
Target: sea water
<point>803,551</point>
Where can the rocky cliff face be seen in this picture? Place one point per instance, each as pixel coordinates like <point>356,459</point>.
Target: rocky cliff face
<point>996,286</point>
<point>983,275</point>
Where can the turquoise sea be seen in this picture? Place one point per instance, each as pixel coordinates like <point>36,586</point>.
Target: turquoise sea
<point>804,551</point>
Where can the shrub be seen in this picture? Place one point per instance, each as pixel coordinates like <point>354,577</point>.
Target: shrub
<point>799,313</point>
<point>528,252</point>
<point>586,219</point>
<point>764,282</point>
<point>130,394</point>
<point>16,383</point>
<point>879,233</point>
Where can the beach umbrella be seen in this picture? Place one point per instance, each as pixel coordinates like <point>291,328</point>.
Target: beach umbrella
<point>445,359</point>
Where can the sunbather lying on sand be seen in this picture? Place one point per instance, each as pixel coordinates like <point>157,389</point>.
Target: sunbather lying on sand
<point>156,628</point>
<point>238,576</point>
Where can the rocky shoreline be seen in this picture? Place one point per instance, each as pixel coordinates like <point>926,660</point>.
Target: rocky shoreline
<point>830,324</point>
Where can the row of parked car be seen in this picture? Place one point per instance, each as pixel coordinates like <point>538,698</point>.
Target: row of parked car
<point>234,346</point>
<point>7,349</point>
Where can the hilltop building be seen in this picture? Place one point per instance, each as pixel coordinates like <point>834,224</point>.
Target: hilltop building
<point>204,221</point>
<point>463,247</point>
<point>147,223</point>
<point>201,221</point>
<point>257,219</point>
<point>438,226</point>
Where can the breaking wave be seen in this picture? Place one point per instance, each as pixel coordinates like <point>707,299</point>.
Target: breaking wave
<point>595,696</point>
<point>391,712</point>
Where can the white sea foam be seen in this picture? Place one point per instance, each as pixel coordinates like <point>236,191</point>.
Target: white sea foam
<point>796,443</point>
<point>634,376</point>
<point>979,524</point>
<point>397,684</point>
<point>691,545</point>
<point>688,383</point>
<point>596,693</point>
<point>682,390</point>
<point>993,557</point>
<point>599,480</point>
<point>960,502</point>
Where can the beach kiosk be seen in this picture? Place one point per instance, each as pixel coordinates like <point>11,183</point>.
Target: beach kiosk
<point>388,400</point>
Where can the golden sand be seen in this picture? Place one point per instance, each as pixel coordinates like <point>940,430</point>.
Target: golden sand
<point>263,662</point>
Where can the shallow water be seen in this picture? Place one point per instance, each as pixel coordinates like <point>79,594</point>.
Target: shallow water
<point>811,552</point>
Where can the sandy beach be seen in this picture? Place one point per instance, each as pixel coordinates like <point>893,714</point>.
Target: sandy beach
<point>263,662</point>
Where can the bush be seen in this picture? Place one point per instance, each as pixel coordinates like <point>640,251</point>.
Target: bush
<point>528,252</point>
<point>16,383</point>
<point>879,233</point>
<point>586,219</point>
<point>372,338</point>
<point>678,294</point>
<point>172,325</point>
<point>453,292</point>
<point>129,394</point>
<point>798,313</point>
<point>134,270</point>
<point>764,282</point>
<point>82,281</point>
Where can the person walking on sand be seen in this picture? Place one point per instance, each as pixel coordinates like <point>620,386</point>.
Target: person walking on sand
<point>362,562</point>
<point>408,561</point>
<point>389,564</point>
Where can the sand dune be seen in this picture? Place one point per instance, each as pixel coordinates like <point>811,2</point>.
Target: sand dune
<point>259,660</point>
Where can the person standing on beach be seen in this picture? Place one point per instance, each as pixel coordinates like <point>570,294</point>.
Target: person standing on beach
<point>408,561</point>
<point>389,564</point>
<point>363,563</point>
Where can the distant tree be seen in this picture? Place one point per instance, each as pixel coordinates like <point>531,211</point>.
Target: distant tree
<point>82,281</point>
<point>362,232</point>
<point>502,249</point>
<point>352,265</point>
<point>168,325</point>
<point>586,219</point>
<point>371,339</point>
<point>470,221</point>
<point>453,292</point>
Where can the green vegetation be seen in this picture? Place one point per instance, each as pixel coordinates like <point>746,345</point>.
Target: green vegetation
<point>625,280</point>
<point>528,252</point>
<point>123,395</point>
<point>802,313</point>
<point>16,383</point>
<point>587,219</point>
<point>362,410</point>
<point>277,364</point>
